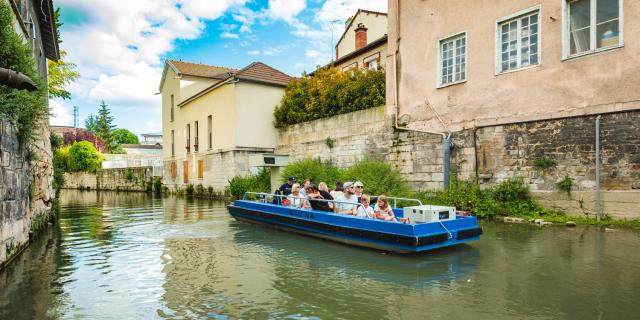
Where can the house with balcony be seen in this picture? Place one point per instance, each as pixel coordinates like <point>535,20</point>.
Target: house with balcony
<point>214,118</point>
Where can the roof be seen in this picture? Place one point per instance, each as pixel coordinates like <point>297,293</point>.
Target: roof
<point>378,43</point>
<point>142,146</point>
<point>152,134</point>
<point>47,27</point>
<point>257,72</point>
<point>353,18</point>
<point>200,70</point>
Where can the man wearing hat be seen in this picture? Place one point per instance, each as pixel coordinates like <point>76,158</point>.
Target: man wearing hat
<point>345,200</point>
<point>285,188</point>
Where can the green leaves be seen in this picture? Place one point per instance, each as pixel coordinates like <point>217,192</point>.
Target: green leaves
<point>124,136</point>
<point>330,92</point>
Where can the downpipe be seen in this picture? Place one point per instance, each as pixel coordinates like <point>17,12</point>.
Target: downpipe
<point>16,80</point>
<point>598,168</point>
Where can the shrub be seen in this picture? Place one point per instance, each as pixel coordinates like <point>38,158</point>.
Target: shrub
<point>157,184</point>
<point>312,169</point>
<point>260,182</point>
<point>378,178</point>
<point>200,190</point>
<point>56,141</point>
<point>544,162</point>
<point>565,185</point>
<point>329,92</point>
<point>80,134</point>
<point>83,156</point>
<point>210,191</point>
<point>189,189</point>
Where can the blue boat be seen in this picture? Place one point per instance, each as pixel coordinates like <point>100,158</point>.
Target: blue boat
<point>352,230</point>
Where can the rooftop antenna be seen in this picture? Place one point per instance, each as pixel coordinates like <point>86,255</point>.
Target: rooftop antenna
<point>76,112</point>
<point>333,54</point>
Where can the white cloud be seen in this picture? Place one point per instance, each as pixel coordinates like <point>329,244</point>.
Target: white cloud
<point>134,88</point>
<point>286,10</point>
<point>61,114</point>
<point>253,52</point>
<point>229,35</point>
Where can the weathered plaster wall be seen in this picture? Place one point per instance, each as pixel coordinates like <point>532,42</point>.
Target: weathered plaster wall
<point>120,179</point>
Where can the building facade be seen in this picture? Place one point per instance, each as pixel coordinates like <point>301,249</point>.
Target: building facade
<point>363,44</point>
<point>214,118</point>
<point>517,81</point>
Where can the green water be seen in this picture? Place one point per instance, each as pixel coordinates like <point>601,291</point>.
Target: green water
<point>132,256</point>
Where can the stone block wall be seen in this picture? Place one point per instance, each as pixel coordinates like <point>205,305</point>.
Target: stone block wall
<point>120,179</point>
<point>25,187</point>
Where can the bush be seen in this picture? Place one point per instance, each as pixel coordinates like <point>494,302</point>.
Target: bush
<point>83,156</point>
<point>329,92</point>
<point>157,184</point>
<point>200,190</point>
<point>189,189</point>
<point>80,134</point>
<point>260,182</point>
<point>378,178</point>
<point>312,169</point>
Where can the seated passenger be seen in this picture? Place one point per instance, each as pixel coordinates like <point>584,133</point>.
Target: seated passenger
<point>317,200</point>
<point>365,211</point>
<point>358,187</point>
<point>338,189</point>
<point>383,210</point>
<point>285,188</point>
<point>346,202</point>
<point>295,199</point>
<point>305,186</point>
<point>324,191</point>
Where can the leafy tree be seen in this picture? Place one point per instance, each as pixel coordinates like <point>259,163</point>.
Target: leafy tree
<point>61,73</point>
<point>91,123</point>
<point>83,135</point>
<point>124,136</point>
<point>23,108</point>
<point>104,124</point>
<point>83,156</point>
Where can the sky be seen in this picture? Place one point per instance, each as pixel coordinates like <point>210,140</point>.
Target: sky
<point>120,47</point>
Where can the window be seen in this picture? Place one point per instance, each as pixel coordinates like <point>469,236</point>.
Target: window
<point>372,62</point>
<point>592,25</point>
<point>200,169</point>
<point>173,170</point>
<point>188,138</point>
<point>185,171</point>
<point>171,108</point>
<point>453,60</point>
<point>519,41</point>
<point>210,130</point>
<point>195,142</point>
<point>173,150</point>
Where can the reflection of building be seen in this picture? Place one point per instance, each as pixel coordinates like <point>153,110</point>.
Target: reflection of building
<point>364,41</point>
<point>152,138</point>
<point>213,118</point>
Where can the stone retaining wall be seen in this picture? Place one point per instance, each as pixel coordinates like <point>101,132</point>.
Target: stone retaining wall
<point>120,179</point>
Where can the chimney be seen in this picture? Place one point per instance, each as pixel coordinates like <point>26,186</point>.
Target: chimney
<point>361,36</point>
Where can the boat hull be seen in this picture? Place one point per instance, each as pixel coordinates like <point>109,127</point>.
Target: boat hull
<point>368,233</point>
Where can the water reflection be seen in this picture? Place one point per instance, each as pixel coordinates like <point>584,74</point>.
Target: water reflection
<point>131,256</point>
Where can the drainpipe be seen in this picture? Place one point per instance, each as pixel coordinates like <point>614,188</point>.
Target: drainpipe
<point>598,168</point>
<point>446,137</point>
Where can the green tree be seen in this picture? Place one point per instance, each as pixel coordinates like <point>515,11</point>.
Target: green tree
<point>91,123</point>
<point>21,107</point>
<point>104,124</point>
<point>124,136</point>
<point>83,156</point>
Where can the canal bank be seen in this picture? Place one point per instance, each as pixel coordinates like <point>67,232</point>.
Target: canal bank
<point>193,260</point>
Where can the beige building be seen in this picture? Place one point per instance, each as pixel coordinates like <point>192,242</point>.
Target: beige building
<point>474,64</point>
<point>214,118</point>
<point>363,44</point>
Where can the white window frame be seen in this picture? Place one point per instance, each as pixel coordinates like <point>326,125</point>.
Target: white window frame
<point>517,15</point>
<point>566,37</point>
<point>453,38</point>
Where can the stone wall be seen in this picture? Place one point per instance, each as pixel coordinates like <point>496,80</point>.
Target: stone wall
<point>25,188</point>
<point>491,154</point>
<point>120,179</point>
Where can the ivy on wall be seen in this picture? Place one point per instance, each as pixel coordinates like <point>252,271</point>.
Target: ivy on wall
<point>21,107</point>
<point>329,92</point>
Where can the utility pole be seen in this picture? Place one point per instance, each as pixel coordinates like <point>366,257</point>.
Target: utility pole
<point>76,112</point>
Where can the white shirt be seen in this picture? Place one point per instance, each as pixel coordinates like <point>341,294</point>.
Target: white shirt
<point>365,213</point>
<point>296,202</point>
<point>346,206</point>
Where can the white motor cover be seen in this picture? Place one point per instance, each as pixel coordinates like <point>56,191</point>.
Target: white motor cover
<point>429,213</point>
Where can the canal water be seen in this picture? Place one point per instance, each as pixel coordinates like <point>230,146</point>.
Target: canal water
<point>133,256</point>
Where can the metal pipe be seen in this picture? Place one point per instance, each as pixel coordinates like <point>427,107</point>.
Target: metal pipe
<point>16,80</point>
<point>447,160</point>
<point>598,168</point>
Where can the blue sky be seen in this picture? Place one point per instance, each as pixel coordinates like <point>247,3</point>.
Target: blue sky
<point>120,49</point>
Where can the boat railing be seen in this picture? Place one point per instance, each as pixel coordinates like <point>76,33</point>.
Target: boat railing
<point>396,199</point>
<point>263,197</point>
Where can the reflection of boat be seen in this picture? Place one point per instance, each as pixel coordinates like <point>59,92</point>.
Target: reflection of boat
<point>370,233</point>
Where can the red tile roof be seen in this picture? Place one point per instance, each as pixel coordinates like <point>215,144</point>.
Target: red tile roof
<point>261,72</point>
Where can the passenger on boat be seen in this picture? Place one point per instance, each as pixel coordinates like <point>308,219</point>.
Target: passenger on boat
<point>383,209</point>
<point>285,188</point>
<point>304,188</point>
<point>365,211</point>
<point>316,199</point>
<point>338,190</point>
<point>347,203</point>
<point>295,199</point>
<point>324,191</point>
<point>359,189</point>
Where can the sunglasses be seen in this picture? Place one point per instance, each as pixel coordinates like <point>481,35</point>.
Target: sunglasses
<point>359,187</point>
